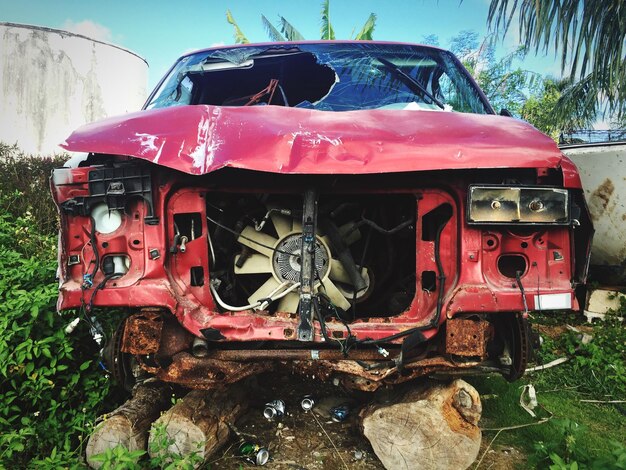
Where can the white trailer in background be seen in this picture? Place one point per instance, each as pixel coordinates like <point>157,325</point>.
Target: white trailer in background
<point>602,168</point>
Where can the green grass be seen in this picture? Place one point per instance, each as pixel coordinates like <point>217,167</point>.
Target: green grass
<point>578,432</point>
<point>600,424</point>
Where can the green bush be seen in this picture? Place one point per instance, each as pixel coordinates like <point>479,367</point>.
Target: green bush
<point>51,385</point>
<point>25,188</point>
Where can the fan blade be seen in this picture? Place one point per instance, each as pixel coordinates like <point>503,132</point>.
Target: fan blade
<point>335,296</point>
<point>325,239</point>
<point>296,225</point>
<point>289,303</point>
<point>349,233</point>
<point>262,292</point>
<point>256,240</point>
<point>338,272</point>
<point>282,224</point>
<point>254,264</point>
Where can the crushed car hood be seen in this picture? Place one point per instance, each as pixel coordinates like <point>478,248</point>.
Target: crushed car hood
<point>200,139</point>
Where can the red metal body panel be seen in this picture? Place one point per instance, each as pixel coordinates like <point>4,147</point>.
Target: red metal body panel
<point>201,139</point>
<point>467,289</point>
<point>164,282</point>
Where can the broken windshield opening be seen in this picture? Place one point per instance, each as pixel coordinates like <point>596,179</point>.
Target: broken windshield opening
<point>327,76</point>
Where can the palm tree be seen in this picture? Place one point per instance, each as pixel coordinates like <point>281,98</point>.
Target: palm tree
<point>285,31</point>
<point>589,36</point>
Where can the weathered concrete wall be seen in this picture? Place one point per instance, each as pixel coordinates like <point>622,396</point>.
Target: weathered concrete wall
<point>52,82</point>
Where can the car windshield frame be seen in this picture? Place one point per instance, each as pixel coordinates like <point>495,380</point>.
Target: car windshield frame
<point>367,75</point>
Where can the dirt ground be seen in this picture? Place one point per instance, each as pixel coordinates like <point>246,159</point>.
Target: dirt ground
<point>303,441</point>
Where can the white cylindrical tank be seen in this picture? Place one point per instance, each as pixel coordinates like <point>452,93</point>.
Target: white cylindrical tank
<point>53,81</point>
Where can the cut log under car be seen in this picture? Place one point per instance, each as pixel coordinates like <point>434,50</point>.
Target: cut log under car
<point>354,211</point>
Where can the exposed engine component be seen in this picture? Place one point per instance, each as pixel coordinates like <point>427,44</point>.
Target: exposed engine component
<point>282,258</point>
<point>352,251</point>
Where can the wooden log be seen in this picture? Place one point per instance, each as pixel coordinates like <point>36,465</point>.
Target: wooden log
<point>128,425</point>
<point>198,425</point>
<point>432,426</point>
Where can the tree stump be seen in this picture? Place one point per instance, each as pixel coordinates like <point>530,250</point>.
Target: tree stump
<point>198,425</point>
<point>128,425</point>
<point>433,426</point>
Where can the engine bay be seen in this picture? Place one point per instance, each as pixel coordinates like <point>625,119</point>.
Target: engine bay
<point>364,261</point>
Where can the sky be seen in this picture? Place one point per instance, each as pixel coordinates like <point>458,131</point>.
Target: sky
<point>160,31</point>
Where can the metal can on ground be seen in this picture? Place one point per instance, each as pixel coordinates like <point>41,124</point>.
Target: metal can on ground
<point>340,413</point>
<point>307,403</point>
<point>274,409</point>
<point>254,453</point>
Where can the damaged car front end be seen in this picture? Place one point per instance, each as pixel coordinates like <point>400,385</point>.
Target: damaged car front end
<point>352,211</point>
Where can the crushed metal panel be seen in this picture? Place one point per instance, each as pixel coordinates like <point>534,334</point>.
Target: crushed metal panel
<point>466,337</point>
<point>304,141</point>
<point>142,333</point>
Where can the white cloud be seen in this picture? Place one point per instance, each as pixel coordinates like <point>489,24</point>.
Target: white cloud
<point>88,28</point>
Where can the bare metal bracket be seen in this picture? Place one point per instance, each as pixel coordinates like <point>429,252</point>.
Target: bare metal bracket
<point>307,271</point>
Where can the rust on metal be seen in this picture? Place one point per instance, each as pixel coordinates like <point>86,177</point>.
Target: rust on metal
<point>358,372</point>
<point>244,355</point>
<point>467,337</point>
<point>174,339</point>
<point>142,333</point>
<point>206,374</point>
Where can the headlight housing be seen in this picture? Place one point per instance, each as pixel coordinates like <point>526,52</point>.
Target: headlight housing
<point>519,205</point>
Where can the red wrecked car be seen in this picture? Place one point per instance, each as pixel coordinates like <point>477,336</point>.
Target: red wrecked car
<point>354,211</point>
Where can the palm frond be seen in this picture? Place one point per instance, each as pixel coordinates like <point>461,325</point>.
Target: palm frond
<point>271,30</point>
<point>577,105</point>
<point>240,38</point>
<point>589,36</point>
<point>288,30</point>
<point>367,31</point>
<point>327,31</point>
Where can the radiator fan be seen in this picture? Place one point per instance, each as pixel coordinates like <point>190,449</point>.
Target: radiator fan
<point>280,259</point>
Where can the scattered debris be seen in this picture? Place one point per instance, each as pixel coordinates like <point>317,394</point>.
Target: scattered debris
<point>550,364</point>
<point>601,302</point>
<point>254,453</point>
<point>274,409</point>
<point>584,338</point>
<point>330,440</point>
<point>339,413</point>
<point>528,399</point>
<point>603,401</point>
<point>307,403</point>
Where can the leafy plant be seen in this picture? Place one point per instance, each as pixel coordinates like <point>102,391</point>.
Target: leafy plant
<point>163,457</point>
<point>285,31</point>
<point>28,197</point>
<point>51,384</point>
<point>120,458</point>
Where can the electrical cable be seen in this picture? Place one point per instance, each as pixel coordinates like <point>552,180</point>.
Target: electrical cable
<point>208,234</point>
<point>518,279</point>
<point>271,297</point>
<point>382,230</point>
<point>435,321</point>
<point>234,232</point>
